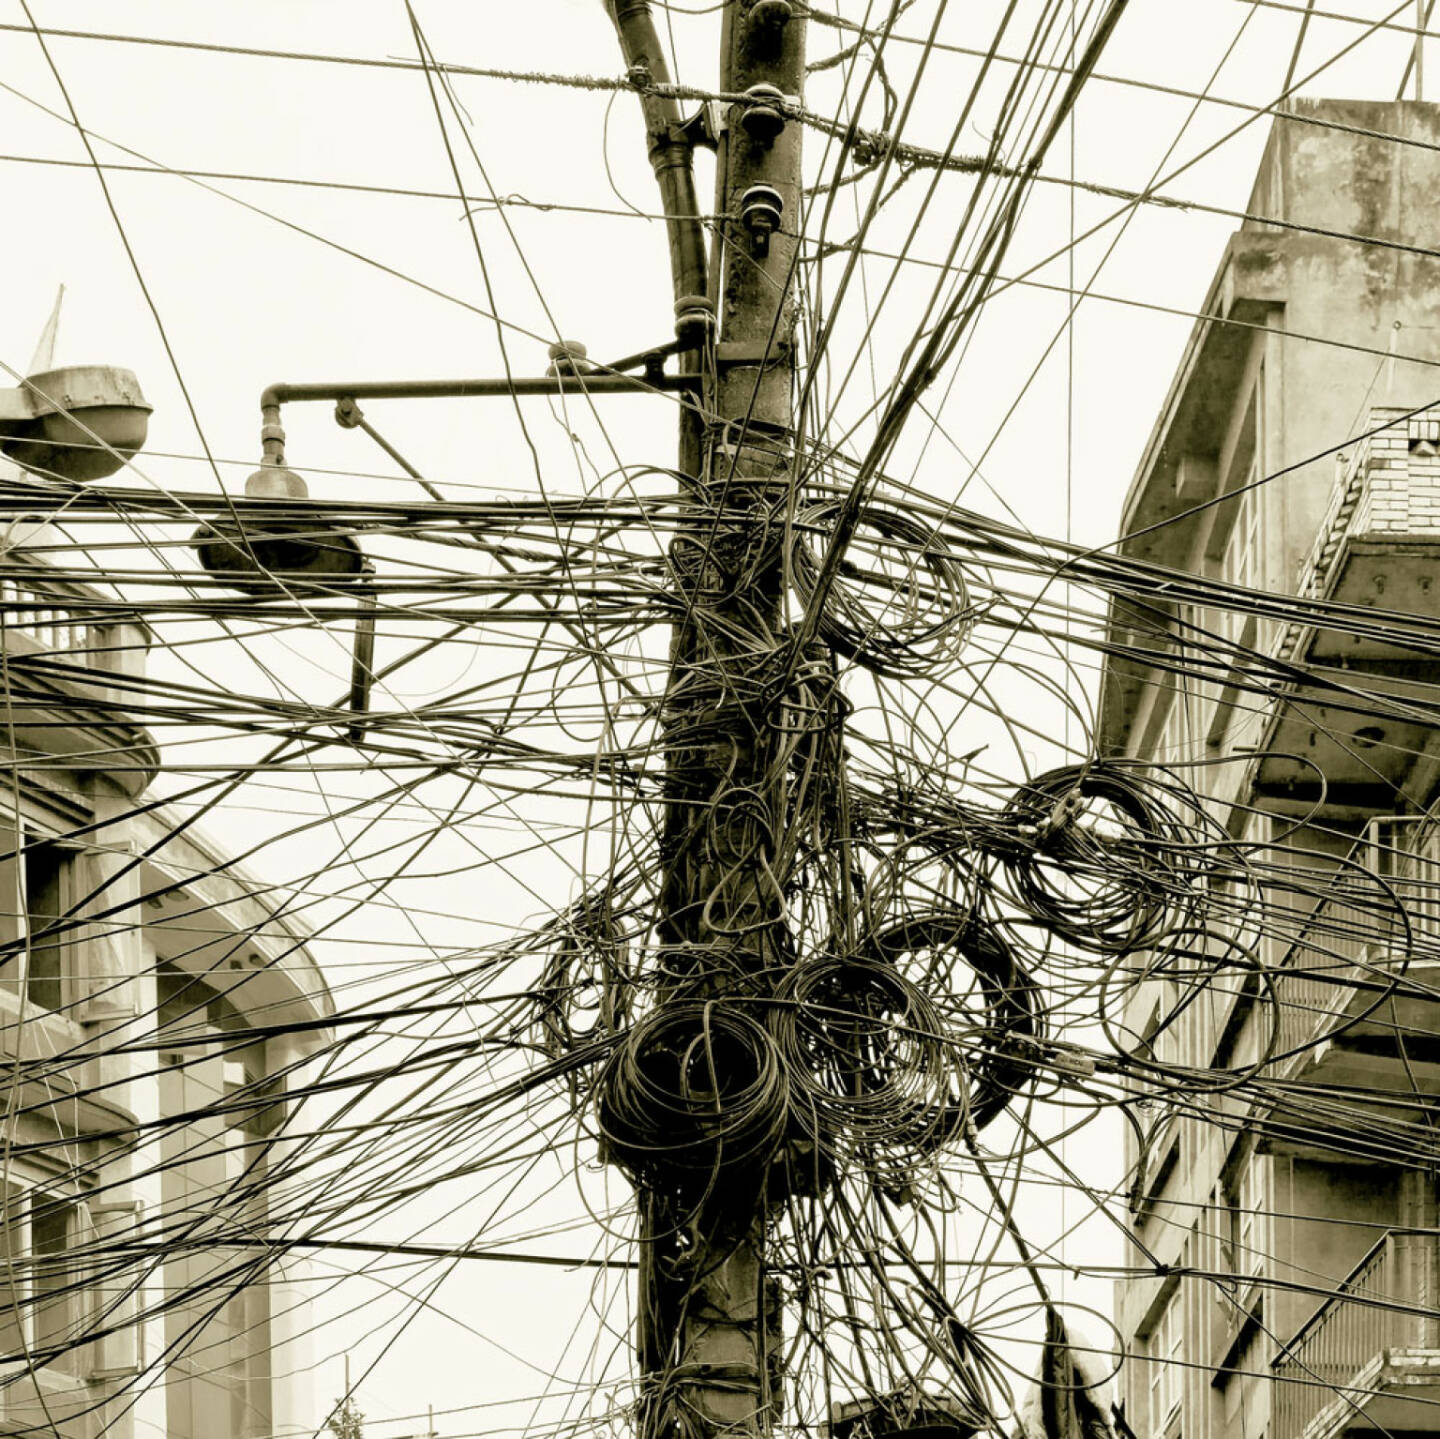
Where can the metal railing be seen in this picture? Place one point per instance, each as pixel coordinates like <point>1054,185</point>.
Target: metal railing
<point>1371,492</point>
<point>37,611</point>
<point>1345,494</point>
<point>1405,853</point>
<point>1359,475</point>
<point>1352,1328</point>
<point>1351,936</point>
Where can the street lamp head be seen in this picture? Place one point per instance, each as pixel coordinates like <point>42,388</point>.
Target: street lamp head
<point>274,554</point>
<point>275,482</point>
<point>78,423</point>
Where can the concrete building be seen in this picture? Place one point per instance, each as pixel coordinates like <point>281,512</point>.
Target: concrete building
<point>1320,328</point>
<point>141,1167</point>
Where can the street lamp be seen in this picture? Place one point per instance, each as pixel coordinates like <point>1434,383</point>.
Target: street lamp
<point>78,423</point>
<point>275,553</point>
<point>270,554</point>
<point>276,544</point>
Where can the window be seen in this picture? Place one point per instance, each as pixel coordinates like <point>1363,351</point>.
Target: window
<point>54,1277</point>
<point>191,1010</point>
<point>1197,1021</point>
<point>1163,1033</point>
<point>116,1349</point>
<point>46,871</point>
<point>1252,1226</point>
<point>13,1273</point>
<point>1164,1352</point>
<point>43,1294</point>
<point>1177,741</point>
<point>1243,559</point>
<point>36,897</point>
<point>1182,1027</point>
<point>1220,1221</point>
<point>1231,898</point>
<point>1243,1230</point>
<point>219,1167</point>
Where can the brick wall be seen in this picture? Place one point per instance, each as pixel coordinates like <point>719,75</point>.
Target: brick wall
<point>1387,487</point>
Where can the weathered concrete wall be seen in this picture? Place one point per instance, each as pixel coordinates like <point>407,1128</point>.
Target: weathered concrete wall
<point>1364,282</point>
<point>1312,322</point>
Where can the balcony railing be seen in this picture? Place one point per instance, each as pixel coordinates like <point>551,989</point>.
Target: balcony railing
<point>1385,488</point>
<point>58,619</point>
<point>1361,930</point>
<point>1370,1312</point>
<point>1405,853</point>
<point>64,632</point>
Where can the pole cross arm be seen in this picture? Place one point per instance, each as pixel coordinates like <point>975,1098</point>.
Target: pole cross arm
<point>569,380</point>
<point>567,384</point>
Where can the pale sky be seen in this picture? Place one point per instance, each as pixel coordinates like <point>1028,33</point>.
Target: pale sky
<point>388,286</point>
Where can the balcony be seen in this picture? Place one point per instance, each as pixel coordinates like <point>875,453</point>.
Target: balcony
<point>1361,973</point>
<point>1384,509</point>
<point>1376,547</point>
<point>1369,1357</point>
<point>71,668</point>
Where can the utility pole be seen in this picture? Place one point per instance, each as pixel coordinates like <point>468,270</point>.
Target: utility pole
<point>708,1328</point>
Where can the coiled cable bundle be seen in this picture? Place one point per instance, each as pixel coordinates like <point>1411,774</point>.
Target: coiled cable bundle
<point>870,1069</point>
<point>986,1017</point>
<point>694,1089</point>
<point>583,990</point>
<point>1103,862</point>
<point>904,611</point>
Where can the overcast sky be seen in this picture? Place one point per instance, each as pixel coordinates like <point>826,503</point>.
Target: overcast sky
<point>246,282</point>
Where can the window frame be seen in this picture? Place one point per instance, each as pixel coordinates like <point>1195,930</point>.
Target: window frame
<point>22,1310</point>
<point>1164,1350</point>
<point>42,821</point>
<point>60,947</point>
<point>1251,1191</point>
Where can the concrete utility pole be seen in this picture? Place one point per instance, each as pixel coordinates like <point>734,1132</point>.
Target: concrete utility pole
<point>708,1330</point>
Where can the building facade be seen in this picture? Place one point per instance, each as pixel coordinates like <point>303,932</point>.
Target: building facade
<point>1277,1221</point>
<point>156,1007</point>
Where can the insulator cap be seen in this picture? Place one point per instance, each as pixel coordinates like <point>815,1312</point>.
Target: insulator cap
<point>761,207</point>
<point>770,15</point>
<point>694,318</point>
<point>567,357</point>
<point>762,119</point>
